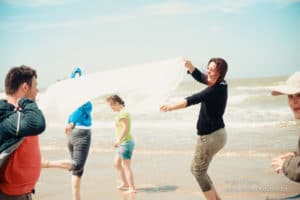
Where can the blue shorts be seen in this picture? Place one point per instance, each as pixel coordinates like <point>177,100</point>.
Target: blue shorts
<point>125,150</point>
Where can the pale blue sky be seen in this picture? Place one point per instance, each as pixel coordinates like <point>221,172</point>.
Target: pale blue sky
<point>256,37</point>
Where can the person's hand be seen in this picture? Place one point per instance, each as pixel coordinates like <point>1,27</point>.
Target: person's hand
<point>165,108</point>
<point>278,164</point>
<point>188,64</point>
<point>116,144</point>
<point>285,156</point>
<point>69,128</point>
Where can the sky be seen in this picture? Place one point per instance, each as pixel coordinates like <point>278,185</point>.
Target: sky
<point>258,38</point>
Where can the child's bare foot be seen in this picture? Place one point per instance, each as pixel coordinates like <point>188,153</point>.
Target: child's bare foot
<point>123,187</point>
<point>131,190</point>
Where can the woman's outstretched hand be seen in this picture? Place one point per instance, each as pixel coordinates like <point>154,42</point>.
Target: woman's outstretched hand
<point>165,108</point>
<point>175,106</point>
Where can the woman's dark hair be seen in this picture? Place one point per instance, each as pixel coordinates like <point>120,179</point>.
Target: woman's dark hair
<point>16,76</point>
<point>115,99</point>
<point>222,67</point>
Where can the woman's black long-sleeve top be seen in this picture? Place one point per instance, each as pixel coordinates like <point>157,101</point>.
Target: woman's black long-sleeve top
<point>213,101</point>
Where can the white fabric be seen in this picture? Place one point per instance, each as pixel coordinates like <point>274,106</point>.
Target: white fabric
<point>143,87</point>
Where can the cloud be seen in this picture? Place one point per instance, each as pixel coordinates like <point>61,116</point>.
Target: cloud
<point>225,6</point>
<point>157,9</point>
<point>168,8</point>
<point>216,28</point>
<point>232,6</point>
<point>172,8</point>
<point>33,3</point>
<point>285,2</point>
<point>92,21</point>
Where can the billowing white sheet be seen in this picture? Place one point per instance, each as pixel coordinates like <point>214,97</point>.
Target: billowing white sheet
<point>144,88</point>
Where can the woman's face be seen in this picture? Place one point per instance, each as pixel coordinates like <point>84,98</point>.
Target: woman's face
<point>294,103</point>
<point>212,73</point>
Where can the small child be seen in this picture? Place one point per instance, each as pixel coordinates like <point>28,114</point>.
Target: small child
<point>124,143</point>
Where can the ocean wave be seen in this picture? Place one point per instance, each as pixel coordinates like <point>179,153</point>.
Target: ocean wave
<point>272,119</point>
<point>230,154</point>
<point>238,99</point>
<point>253,88</point>
<point>136,124</point>
<point>255,114</point>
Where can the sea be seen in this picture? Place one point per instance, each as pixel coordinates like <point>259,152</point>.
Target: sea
<point>257,123</point>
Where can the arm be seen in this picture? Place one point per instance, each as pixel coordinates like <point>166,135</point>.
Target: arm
<point>69,128</point>
<point>191,100</point>
<point>176,106</point>
<point>124,124</point>
<point>199,76</point>
<point>196,74</point>
<point>289,164</point>
<point>188,64</point>
<point>74,117</point>
<point>32,121</point>
<point>291,168</point>
<point>199,97</point>
<point>285,156</point>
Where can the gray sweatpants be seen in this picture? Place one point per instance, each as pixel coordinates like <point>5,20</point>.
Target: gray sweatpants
<point>207,147</point>
<point>79,144</point>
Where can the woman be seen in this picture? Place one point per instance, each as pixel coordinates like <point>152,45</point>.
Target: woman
<point>78,133</point>
<point>124,143</point>
<point>210,125</point>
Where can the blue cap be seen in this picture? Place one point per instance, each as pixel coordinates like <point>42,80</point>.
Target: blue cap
<point>75,71</point>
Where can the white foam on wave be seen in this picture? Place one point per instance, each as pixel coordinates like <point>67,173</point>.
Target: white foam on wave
<point>253,88</point>
<point>257,115</point>
<point>229,154</point>
<point>237,99</point>
<point>183,125</point>
<point>238,125</point>
<point>136,124</point>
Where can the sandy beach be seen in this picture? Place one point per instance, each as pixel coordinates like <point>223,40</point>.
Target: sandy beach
<point>259,128</point>
<point>167,176</point>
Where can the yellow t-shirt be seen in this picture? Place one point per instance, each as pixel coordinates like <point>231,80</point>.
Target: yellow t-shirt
<point>123,115</point>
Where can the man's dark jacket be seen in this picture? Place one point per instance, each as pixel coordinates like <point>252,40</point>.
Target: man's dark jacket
<point>32,122</point>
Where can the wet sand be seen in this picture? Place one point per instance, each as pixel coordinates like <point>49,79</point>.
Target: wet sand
<point>166,176</point>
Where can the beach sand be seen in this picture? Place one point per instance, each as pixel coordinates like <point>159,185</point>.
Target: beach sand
<point>166,176</point>
<point>260,127</point>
